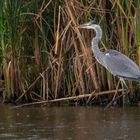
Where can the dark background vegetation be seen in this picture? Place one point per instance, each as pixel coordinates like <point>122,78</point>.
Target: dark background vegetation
<point>44,57</point>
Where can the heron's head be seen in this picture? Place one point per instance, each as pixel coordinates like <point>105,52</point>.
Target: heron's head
<point>89,25</point>
<point>92,25</point>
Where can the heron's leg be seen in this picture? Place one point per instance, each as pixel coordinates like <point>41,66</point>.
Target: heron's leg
<point>114,97</point>
<point>123,83</point>
<point>124,93</point>
<point>116,89</point>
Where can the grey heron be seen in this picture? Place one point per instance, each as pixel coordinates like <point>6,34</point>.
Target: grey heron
<point>115,62</point>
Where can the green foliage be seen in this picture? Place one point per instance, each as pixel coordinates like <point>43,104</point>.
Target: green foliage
<point>44,57</point>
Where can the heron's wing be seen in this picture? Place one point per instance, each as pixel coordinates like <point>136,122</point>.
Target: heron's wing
<point>120,65</point>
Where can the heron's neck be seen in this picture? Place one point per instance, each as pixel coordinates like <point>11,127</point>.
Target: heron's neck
<point>95,41</point>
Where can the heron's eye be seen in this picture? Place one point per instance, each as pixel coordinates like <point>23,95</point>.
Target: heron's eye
<point>92,22</point>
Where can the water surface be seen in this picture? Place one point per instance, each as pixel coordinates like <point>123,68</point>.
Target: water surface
<point>69,123</point>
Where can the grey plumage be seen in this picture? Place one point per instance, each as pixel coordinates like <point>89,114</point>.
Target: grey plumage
<point>115,62</point>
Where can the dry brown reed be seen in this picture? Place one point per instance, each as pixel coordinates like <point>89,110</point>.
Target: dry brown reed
<point>54,58</point>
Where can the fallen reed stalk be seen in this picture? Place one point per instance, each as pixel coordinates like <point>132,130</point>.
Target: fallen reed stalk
<point>60,61</point>
<point>72,98</point>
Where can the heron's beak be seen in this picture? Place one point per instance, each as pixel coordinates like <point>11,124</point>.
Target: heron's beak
<point>82,26</point>
<point>87,25</point>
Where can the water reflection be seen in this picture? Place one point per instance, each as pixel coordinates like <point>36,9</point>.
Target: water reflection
<point>69,123</point>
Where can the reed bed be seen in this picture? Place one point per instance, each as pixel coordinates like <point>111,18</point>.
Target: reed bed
<point>45,57</point>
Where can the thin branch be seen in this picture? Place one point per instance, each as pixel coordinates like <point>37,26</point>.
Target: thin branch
<point>70,98</point>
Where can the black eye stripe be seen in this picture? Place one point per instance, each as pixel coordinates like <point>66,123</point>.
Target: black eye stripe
<point>92,22</point>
